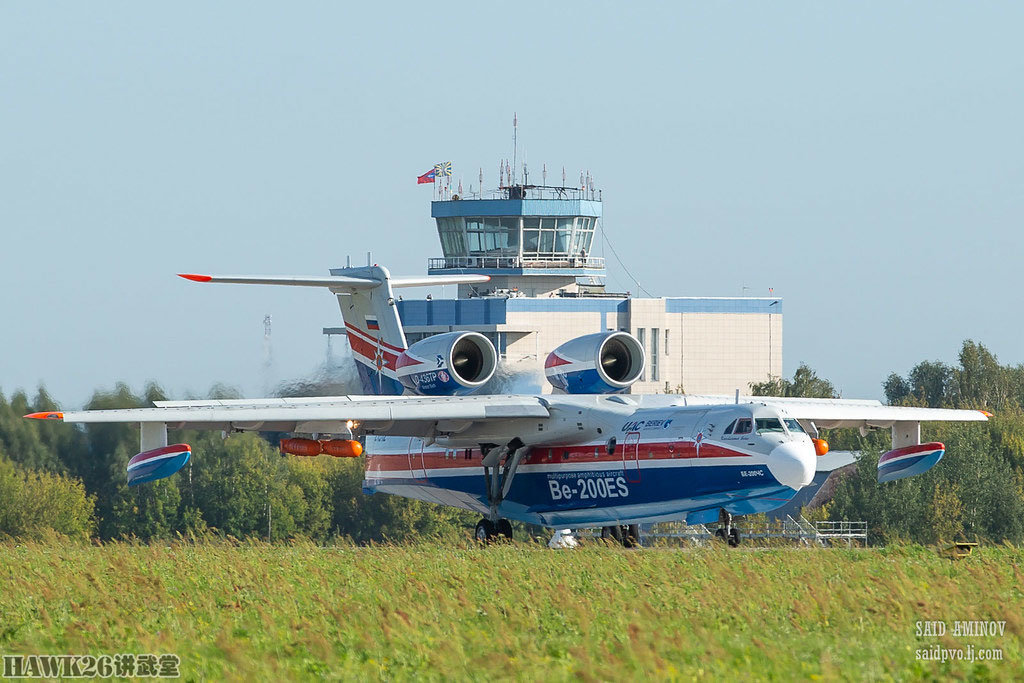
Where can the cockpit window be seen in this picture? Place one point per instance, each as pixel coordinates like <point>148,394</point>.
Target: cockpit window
<point>769,425</point>
<point>728,430</point>
<point>742,426</point>
<point>794,426</point>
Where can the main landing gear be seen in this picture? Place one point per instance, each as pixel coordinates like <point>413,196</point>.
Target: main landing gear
<point>488,531</point>
<point>726,531</point>
<point>626,534</point>
<point>500,466</point>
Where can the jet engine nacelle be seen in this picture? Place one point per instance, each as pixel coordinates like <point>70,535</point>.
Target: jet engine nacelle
<point>601,363</point>
<point>450,364</point>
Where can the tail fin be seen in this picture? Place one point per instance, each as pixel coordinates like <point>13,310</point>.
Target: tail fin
<point>366,297</point>
<point>373,328</point>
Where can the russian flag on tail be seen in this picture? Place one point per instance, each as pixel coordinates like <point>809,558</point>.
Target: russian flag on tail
<point>371,323</point>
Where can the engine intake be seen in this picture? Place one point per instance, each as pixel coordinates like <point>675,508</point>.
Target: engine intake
<point>601,363</point>
<point>450,364</point>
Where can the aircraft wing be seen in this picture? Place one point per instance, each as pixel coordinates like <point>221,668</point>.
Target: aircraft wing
<point>838,412</point>
<point>829,413</point>
<point>395,415</point>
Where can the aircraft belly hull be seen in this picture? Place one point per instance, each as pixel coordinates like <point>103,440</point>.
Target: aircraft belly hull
<point>599,494</point>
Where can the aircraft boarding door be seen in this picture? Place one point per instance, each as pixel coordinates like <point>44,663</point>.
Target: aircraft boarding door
<point>631,457</point>
<point>416,465</point>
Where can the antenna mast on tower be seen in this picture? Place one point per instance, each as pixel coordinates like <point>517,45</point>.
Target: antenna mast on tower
<point>515,145</point>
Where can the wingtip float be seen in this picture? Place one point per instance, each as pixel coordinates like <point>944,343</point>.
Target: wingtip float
<point>908,461</point>
<point>158,463</point>
<point>195,277</point>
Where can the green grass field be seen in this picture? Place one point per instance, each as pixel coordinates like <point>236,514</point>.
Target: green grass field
<point>255,611</point>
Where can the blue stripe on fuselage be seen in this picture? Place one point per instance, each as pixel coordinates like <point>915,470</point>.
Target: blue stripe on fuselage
<point>582,497</point>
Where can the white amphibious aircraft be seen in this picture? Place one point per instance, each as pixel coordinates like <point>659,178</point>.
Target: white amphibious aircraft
<point>588,455</point>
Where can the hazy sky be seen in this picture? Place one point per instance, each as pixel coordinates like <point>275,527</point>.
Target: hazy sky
<point>863,159</point>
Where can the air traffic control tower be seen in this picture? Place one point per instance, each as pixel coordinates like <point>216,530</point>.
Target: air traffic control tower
<point>546,287</point>
<point>532,242</point>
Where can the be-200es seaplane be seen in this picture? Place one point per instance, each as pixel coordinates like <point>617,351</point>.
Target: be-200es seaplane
<point>587,455</point>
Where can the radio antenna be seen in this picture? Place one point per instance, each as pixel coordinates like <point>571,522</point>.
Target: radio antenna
<point>515,143</point>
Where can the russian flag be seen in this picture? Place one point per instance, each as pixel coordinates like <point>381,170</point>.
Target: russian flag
<point>371,323</point>
<point>427,177</point>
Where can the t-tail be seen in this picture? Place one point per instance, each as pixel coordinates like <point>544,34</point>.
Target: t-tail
<point>367,300</point>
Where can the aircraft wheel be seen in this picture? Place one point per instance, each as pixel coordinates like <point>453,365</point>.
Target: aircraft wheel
<point>484,531</point>
<point>720,534</point>
<point>504,528</point>
<point>611,533</point>
<point>734,537</point>
<point>631,536</point>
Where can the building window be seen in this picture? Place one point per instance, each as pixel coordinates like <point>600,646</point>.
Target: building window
<point>666,343</point>
<point>489,235</point>
<point>654,354</point>
<point>453,237</point>
<point>641,335</point>
<point>560,237</point>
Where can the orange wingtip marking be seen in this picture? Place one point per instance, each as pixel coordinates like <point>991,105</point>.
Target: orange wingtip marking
<point>46,416</point>
<point>195,278</point>
<point>985,413</point>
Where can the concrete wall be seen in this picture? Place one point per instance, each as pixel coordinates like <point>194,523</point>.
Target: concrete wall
<point>714,345</point>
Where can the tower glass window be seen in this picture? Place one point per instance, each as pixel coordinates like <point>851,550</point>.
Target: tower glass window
<point>453,238</point>
<point>490,235</point>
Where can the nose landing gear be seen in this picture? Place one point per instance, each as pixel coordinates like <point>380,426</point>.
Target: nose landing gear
<point>726,531</point>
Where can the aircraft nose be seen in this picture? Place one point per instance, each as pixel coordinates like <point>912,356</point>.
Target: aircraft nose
<point>792,464</point>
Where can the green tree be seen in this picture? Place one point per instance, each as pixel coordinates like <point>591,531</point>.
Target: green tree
<point>897,389</point>
<point>805,384</point>
<point>39,444</point>
<point>931,383</point>
<point>33,503</point>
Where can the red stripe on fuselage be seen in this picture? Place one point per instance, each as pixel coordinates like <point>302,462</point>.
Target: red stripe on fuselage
<point>456,458</point>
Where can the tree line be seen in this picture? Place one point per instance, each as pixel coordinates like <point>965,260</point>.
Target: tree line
<point>70,479</point>
<point>238,485</point>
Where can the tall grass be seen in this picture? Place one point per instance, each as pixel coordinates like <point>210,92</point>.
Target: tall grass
<point>255,611</point>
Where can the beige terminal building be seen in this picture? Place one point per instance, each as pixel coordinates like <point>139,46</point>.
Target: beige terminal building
<point>535,242</point>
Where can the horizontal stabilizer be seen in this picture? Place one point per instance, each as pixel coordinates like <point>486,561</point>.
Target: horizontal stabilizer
<point>337,283</point>
<point>438,280</point>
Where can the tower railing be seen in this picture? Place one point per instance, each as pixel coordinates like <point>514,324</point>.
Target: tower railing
<point>589,262</point>
<point>526,191</point>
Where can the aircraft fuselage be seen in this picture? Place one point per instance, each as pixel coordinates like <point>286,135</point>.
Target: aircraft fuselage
<point>594,463</point>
